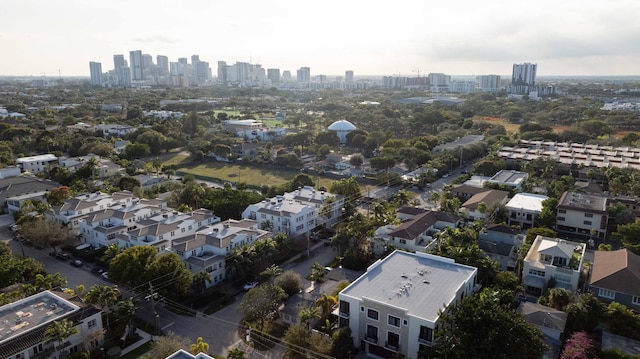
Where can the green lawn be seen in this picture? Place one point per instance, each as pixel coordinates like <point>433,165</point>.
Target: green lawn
<point>176,159</point>
<point>252,176</point>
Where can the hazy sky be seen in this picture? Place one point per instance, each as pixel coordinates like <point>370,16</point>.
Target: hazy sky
<point>457,37</point>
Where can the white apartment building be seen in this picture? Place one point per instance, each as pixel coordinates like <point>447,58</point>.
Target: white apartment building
<point>74,209</point>
<point>36,164</point>
<point>26,320</point>
<point>583,214</point>
<point>554,258</point>
<point>162,229</point>
<point>328,205</point>
<point>489,83</point>
<point>280,215</point>
<point>524,208</point>
<point>394,308</point>
<point>207,249</point>
<point>414,234</point>
<point>101,227</point>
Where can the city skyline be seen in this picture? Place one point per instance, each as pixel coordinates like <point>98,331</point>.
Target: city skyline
<point>583,38</point>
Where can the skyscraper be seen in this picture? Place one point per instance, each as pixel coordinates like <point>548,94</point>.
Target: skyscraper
<point>489,83</point>
<point>137,65</point>
<point>286,76</point>
<point>273,75</point>
<point>524,74</point>
<point>183,60</point>
<point>348,76</point>
<point>163,63</point>
<point>222,72</point>
<point>201,71</point>
<point>118,63</point>
<point>303,74</point>
<point>95,68</point>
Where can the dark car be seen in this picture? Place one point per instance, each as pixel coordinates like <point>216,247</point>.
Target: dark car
<point>76,263</point>
<point>63,256</point>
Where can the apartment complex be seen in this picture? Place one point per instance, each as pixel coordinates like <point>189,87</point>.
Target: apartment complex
<point>583,214</point>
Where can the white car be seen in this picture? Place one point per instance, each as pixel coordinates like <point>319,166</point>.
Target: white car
<point>105,275</point>
<point>250,285</point>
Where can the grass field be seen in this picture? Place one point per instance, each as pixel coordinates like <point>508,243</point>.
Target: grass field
<point>257,177</point>
<point>175,159</point>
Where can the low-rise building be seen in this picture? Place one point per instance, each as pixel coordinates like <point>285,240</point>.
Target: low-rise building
<point>207,249</point>
<point>550,321</point>
<point>501,243</point>
<point>394,308</point>
<point>328,205</point>
<point>509,178</point>
<point>554,258</point>
<point>582,214</point>
<point>14,191</point>
<point>36,164</point>
<point>472,209</point>
<point>414,234</point>
<point>24,322</point>
<point>524,208</point>
<point>280,215</point>
<point>615,277</point>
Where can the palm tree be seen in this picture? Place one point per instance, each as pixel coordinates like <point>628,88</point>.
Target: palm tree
<point>326,303</point>
<point>271,272</point>
<point>236,353</point>
<point>157,164</point>
<point>201,279</point>
<point>126,310</point>
<point>58,331</point>
<point>199,347</point>
<point>317,272</point>
<point>103,295</point>
<point>110,253</point>
<point>308,314</point>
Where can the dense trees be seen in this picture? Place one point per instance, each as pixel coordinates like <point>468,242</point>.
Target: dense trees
<point>260,304</point>
<point>43,232</point>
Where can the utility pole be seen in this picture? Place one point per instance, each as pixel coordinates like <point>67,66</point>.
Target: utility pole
<point>153,295</point>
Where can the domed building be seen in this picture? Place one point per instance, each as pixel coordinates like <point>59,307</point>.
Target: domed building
<point>342,127</point>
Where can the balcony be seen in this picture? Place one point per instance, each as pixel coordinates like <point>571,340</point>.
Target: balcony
<point>392,346</point>
<point>370,339</point>
<point>343,314</point>
<point>425,341</point>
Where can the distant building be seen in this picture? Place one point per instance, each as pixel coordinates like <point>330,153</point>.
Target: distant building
<point>342,128</point>
<point>137,65</point>
<point>394,308</point>
<point>303,74</point>
<point>489,83</point>
<point>95,69</point>
<point>348,76</point>
<point>273,75</point>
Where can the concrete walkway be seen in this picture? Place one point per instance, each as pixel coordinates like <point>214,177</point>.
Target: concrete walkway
<point>145,338</point>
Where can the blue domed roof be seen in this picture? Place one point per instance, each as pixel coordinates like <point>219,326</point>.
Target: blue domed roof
<point>342,125</point>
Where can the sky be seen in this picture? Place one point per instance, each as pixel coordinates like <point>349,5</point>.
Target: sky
<point>405,37</point>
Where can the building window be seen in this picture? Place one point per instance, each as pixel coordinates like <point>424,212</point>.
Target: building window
<point>393,341</point>
<point>92,323</point>
<point>344,308</point>
<point>403,241</point>
<point>635,300</point>
<point>588,223</point>
<point>426,334</point>
<point>38,349</point>
<point>560,218</point>
<point>395,321</point>
<point>372,333</point>
<point>372,314</point>
<point>588,215</point>
<point>606,293</point>
<point>562,211</point>
<point>537,273</point>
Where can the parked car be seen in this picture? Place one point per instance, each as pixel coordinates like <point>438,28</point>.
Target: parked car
<point>105,275</point>
<point>63,256</point>
<point>13,227</point>
<point>250,285</point>
<point>77,263</point>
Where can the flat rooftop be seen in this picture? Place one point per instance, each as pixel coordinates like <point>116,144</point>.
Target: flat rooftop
<point>420,283</point>
<point>584,202</point>
<point>528,201</point>
<point>32,312</point>
<point>509,176</point>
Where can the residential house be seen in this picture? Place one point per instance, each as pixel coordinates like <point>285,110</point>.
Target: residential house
<point>207,249</point>
<point>328,205</point>
<point>524,208</point>
<point>25,321</point>
<point>582,214</point>
<point>615,277</point>
<point>246,149</point>
<point>465,192</point>
<point>36,164</point>
<point>104,167</point>
<point>550,321</point>
<point>414,234</point>
<point>554,258</point>
<point>14,191</point>
<point>501,243</point>
<point>114,130</point>
<point>280,215</point>
<point>406,212</point>
<point>394,308</point>
<point>493,197</point>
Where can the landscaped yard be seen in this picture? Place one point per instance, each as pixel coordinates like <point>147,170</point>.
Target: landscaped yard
<point>233,173</point>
